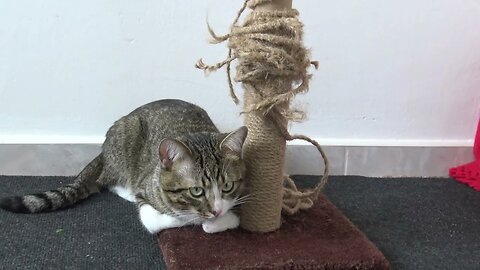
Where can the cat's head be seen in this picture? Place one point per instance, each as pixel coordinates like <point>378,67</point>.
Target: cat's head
<point>202,174</point>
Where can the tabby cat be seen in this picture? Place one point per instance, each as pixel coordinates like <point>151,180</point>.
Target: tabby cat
<point>170,160</point>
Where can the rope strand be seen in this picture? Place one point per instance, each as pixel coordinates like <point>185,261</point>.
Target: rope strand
<point>271,57</point>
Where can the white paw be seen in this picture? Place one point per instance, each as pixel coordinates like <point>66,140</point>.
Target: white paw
<point>233,222</point>
<point>155,221</point>
<point>210,227</point>
<point>123,192</point>
<point>220,224</point>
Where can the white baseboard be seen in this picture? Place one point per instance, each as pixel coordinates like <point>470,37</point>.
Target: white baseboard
<point>378,161</point>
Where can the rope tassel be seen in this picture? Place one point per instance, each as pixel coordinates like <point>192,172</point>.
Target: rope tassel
<point>271,59</point>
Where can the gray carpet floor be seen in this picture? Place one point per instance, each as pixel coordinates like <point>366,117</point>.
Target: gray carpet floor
<point>416,223</point>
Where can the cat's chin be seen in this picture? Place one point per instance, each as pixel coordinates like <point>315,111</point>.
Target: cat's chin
<point>213,217</point>
<point>221,223</point>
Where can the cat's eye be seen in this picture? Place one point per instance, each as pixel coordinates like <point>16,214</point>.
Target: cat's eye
<point>196,191</point>
<point>228,186</point>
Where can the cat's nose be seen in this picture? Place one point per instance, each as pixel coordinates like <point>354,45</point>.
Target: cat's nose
<point>217,213</point>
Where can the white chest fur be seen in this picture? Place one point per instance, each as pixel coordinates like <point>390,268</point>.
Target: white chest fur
<point>123,192</point>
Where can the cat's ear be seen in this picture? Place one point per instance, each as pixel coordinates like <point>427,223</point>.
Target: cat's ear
<point>233,142</point>
<point>172,151</point>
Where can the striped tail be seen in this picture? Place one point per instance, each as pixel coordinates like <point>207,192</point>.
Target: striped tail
<point>84,185</point>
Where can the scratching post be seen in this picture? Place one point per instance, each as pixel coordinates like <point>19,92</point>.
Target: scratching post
<point>264,152</point>
<point>264,155</point>
<point>272,67</point>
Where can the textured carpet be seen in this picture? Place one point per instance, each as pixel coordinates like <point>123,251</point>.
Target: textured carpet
<point>320,238</point>
<point>416,223</point>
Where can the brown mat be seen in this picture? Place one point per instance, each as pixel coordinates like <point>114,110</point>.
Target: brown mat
<point>320,238</point>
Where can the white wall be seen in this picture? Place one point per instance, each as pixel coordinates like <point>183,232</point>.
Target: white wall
<point>392,72</point>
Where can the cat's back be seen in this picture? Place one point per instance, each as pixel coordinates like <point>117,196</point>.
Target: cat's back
<point>169,118</point>
<point>167,105</point>
<point>130,150</point>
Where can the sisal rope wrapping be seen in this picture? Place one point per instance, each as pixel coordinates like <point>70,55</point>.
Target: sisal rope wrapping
<point>271,60</point>
<point>264,152</point>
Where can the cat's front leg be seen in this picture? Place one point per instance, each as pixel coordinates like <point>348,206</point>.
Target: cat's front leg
<point>222,223</point>
<point>155,221</point>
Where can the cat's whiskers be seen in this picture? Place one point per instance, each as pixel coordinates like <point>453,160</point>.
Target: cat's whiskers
<point>188,222</point>
<point>244,197</point>
<point>242,200</point>
<point>185,212</point>
<point>182,213</point>
<point>247,198</point>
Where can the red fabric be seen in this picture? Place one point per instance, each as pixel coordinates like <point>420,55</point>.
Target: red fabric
<point>470,173</point>
<point>476,146</point>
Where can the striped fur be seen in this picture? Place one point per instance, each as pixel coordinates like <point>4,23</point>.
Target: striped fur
<point>83,186</point>
<point>158,153</point>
